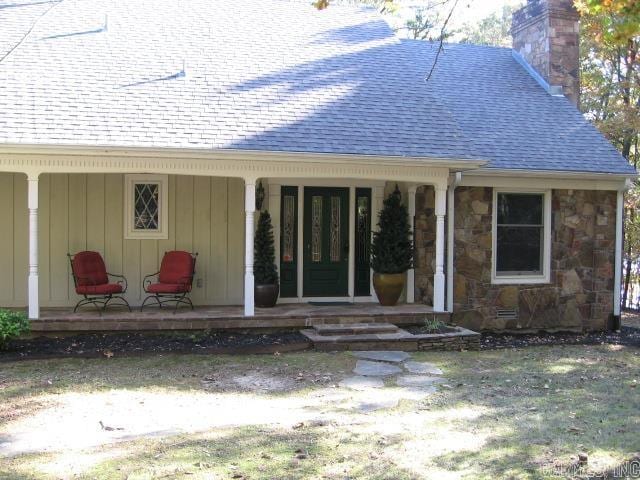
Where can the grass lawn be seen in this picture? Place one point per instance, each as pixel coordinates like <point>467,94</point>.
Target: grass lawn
<point>499,414</point>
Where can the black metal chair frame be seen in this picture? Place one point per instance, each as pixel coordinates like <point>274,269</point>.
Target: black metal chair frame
<point>100,301</point>
<point>176,298</point>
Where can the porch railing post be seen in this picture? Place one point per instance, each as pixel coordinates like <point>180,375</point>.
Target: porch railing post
<point>439,277</point>
<point>411,273</point>
<point>32,205</point>
<point>249,209</point>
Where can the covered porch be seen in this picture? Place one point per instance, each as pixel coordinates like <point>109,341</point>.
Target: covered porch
<point>68,200</point>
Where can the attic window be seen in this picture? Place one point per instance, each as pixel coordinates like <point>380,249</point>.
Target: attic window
<point>146,207</point>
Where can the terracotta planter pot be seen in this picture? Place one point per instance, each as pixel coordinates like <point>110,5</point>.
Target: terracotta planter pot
<point>266,296</point>
<point>388,287</point>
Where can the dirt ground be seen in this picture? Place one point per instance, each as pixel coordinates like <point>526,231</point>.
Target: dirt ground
<point>631,319</point>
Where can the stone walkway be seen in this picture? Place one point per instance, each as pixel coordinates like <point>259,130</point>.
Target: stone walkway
<point>391,376</point>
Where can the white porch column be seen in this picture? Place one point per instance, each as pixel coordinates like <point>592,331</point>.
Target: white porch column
<point>450,243</point>
<point>411,273</point>
<point>451,228</point>
<point>618,254</point>
<point>32,205</point>
<point>438,277</point>
<point>376,205</point>
<point>249,209</point>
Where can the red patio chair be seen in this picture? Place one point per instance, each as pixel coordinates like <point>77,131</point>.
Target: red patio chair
<point>174,280</point>
<point>91,279</point>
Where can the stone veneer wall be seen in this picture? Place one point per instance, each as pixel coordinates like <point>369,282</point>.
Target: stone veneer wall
<point>580,295</point>
<point>425,244</point>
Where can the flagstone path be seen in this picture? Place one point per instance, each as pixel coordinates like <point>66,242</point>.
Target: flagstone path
<point>406,379</point>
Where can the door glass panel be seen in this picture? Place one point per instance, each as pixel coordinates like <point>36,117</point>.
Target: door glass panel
<point>288,226</point>
<point>362,233</point>
<point>316,228</point>
<point>334,252</point>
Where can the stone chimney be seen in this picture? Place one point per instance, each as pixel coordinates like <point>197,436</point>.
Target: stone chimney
<point>546,35</point>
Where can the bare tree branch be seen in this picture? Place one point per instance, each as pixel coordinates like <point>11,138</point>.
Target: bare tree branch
<point>441,41</point>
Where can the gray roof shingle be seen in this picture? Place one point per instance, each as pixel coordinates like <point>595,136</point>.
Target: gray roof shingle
<point>509,118</point>
<point>275,75</point>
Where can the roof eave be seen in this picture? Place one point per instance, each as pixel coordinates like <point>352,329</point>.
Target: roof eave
<point>574,175</point>
<point>455,164</point>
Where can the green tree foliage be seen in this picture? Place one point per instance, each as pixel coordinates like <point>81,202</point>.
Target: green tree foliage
<point>620,19</point>
<point>610,98</point>
<point>492,30</point>
<point>264,263</point>
<point>392,248</point>
<point>12,325</point>
<point>427,23</point>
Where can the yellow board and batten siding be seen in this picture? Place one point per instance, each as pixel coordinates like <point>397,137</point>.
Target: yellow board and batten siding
<point>86,212</point>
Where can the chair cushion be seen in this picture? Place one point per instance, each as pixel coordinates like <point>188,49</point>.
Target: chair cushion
<point>168,288</point>
<point>89,269</point>
<point>176,267</point>
<point>104,289</point>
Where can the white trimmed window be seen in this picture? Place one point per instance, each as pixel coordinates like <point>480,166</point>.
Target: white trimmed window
<point>521,236</point>
<point>146,207</point>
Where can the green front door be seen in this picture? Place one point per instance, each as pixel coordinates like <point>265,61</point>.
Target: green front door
<point>326,242</point>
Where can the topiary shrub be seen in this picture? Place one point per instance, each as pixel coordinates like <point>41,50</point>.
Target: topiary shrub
<point>12,325</point>
<point>392,248</point>
<point>264,262</point>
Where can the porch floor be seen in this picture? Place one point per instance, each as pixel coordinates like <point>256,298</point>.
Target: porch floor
<point>296,315</point>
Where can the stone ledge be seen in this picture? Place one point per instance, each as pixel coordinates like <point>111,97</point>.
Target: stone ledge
<point>461,339</point>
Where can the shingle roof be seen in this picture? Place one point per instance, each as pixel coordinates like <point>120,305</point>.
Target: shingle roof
<point>509,118</point>
<point>274,75</point>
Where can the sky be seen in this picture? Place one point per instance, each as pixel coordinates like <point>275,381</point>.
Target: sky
<point>475,10</point>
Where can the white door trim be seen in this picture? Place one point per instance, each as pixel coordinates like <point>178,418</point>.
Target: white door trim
<point>351,184</point>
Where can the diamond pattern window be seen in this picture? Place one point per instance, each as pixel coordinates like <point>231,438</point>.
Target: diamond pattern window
<point>146,206</point>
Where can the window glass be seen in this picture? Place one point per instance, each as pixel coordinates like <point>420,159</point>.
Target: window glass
<point>316,228</point>
<point>146,206</point>
<point>519,234</point>
<point>335,252</point>
<point>519,209</point>
<point>288,228</point>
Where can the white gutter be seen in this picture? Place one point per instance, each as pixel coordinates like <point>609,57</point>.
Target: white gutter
<point>512,172</point>
<point>618,255</point>
<point>450,238</point>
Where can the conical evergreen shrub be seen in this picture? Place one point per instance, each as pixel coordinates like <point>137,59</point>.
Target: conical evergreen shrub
<point>264,261</point>
<point>392,248</point>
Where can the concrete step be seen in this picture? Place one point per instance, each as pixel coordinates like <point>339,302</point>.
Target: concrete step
<point>329,329</point>
<point>389,340</point>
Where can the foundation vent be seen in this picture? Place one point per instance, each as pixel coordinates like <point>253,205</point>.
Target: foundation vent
<point>507,315</point>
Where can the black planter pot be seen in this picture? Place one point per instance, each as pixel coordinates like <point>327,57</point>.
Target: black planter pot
<point>266,296</point>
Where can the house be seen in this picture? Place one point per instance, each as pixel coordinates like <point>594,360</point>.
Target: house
<point>133,128</point>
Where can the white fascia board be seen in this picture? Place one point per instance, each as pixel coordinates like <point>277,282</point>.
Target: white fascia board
<point>234,154</point>
<point>488,177</point>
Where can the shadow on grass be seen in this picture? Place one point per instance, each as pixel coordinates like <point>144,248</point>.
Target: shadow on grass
<point>543,406</point>
<point>248,452</point>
